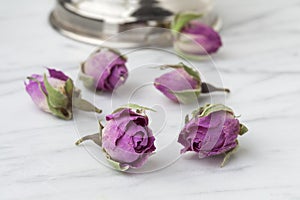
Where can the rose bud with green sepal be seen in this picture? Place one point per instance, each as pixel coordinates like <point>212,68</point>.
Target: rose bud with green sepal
<point>105,69</point>
<point>126,138</point>
<point>55,93</point>
<point>183,84</point>
<point>194,39</point>
<point>212,130</point>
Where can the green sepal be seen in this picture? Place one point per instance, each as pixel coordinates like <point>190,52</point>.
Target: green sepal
<point>186,119</point>
<point>63,113</point>
<point>187,96</point>
<point>84,105</point>
<point>134,107</point>
<point>229,153</point>
<point>96,138</point>
<point>55,98</point>
<point>243,129</point>
<point>100,131</point>
<point>88,81</point>
<point>58,103</point>
<point>192,72</point>
<point>196,112</point>
<point>181,19</point>
<point>116,165</point>
<point>69,87</point>
<point>211,108</point>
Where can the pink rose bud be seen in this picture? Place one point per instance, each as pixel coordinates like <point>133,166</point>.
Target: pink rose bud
<point>104,70</point>
<point>196,39</point>
<point>183,84</point>
<point>126,138</point>
<point>212,130</point>
<point>53,93</point>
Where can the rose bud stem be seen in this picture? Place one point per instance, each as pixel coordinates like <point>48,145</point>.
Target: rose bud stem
<point>95,138</point>
<point>207,88</point>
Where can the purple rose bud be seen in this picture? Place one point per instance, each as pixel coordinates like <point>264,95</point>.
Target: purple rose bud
<point>203,35</point>
<point>183,84</point>
<point>53,94</point>
<point>105,70</point>
<point>196,39</point>
<point>126,138</point>
<point>213,130</point>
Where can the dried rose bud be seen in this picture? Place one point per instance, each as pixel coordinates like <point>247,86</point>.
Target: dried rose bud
<point>212,130</point>
<point>126,138</point>
<point>183,84</point>
<point>53,93</point>
<point>196,39</point>
<point>104,70</point>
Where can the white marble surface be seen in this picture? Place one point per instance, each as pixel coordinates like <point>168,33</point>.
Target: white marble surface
<point>259,62</point>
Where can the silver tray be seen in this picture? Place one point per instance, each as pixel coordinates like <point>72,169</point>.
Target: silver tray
<point>96,21</point>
